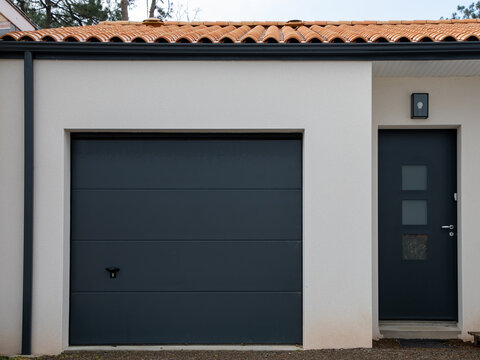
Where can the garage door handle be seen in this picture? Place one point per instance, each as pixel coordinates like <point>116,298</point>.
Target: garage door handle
<point>113,271</point>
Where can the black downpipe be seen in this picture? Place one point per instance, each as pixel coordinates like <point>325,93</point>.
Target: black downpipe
<point>28,207</point>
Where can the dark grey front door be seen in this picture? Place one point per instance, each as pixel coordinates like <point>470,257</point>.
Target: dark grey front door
<point>186,239</point>
<point>417,225</point>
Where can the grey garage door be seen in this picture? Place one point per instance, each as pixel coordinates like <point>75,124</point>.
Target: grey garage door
<point>201,236</point>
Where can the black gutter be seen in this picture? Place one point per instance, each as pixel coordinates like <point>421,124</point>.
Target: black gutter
<point>28,207</point>
<point>138,51</point>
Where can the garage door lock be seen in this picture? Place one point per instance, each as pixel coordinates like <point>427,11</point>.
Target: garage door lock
<point>113,271</point>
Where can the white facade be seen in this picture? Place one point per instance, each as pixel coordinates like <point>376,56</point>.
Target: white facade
<point>453,105</point>
<point>11,205</point>
<point>338,106</point>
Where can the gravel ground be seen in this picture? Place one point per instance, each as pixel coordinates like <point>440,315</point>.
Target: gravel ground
<point>382,350</point>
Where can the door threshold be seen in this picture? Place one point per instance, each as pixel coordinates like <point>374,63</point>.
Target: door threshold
<point>185,347</point>
<point>408,329</point>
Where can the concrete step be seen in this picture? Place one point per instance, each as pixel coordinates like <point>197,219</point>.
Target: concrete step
<point>419,329</point>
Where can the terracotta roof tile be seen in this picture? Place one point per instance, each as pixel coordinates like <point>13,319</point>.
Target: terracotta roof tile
<point>291,35</point>
<point>325,33</point>
<point>308,34</point>
<point>295,31</point>
<point>272,35</point>
<point>254,35</point>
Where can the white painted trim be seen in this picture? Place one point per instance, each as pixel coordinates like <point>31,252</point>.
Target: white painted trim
<point>14,16</point>
<point>187,348</point>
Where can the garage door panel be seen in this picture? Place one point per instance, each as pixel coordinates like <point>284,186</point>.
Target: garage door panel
<point>193,163</point>
<point>205,229</point>
<point>195,318</point>
<point>187,266</point>
<point>186,214</point>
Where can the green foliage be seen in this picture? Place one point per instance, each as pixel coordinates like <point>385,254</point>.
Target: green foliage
<point>471,11</point>
<point>57,13</point>
<point>163,11</point>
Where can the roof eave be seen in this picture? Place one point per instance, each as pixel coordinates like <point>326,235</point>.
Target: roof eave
<point>139,51</point>
<point>23,14</point>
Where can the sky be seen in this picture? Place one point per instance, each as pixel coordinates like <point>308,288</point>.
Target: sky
<point>284,10</point>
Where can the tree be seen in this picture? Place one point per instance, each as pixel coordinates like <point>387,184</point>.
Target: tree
<point>183,12</point>
<point>180,12</point>
<point>57,13</point>
<point>161,12</point>
<point>124,9</point>
<point>471,11</point>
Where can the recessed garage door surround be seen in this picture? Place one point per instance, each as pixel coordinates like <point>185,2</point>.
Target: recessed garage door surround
<point>205,229</point>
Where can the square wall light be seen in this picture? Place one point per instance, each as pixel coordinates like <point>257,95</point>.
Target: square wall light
<point>419,106</point>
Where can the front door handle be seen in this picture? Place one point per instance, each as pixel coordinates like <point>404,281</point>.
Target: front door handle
<point>113,270</point>
<point>448,227</point>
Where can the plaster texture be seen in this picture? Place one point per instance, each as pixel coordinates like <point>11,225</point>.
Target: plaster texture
<point>11,205</point>
<point>329,102</point>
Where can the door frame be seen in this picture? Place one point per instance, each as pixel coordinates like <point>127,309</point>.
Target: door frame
<point>375,223</point>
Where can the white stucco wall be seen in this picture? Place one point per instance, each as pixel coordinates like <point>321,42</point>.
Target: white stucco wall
<point>454,103</point>
<point>11,205</point>
<point>329,101</point>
